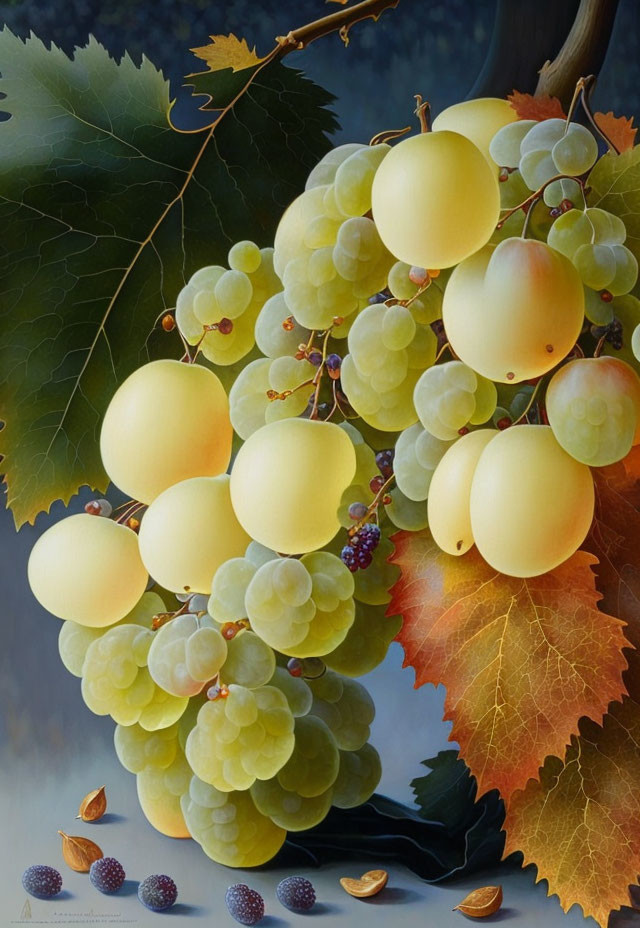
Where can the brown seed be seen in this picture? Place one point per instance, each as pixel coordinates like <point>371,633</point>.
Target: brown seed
<point>369,884</point>
<point>481,902</point>
<point>93,806</point>
<point>168,323</point>
<point>79,853</point>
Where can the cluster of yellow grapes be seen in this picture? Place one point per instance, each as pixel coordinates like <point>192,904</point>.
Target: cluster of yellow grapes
<point>416,367</point>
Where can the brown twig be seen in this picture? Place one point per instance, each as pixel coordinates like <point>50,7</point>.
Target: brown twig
<point>340,22</point>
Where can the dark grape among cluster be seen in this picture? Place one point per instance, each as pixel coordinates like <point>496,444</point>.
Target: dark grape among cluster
<point>358,554</point>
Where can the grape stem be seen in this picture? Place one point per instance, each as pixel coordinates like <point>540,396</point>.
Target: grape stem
<point>317,380</point>
<point>536,196</point>
<point>132,508</point>
<point>372,509</point>
<point>388,135</point>
<point>340,22</point>
<point>423,112</point>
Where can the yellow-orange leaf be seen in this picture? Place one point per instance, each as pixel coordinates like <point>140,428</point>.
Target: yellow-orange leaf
<point>580,824</point>
<point>619,129</point>
<point>522,660</point>
<point>227,51</point>
<point>529,107</point>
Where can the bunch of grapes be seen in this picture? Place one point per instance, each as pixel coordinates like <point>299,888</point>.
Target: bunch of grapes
<point>414,369</point>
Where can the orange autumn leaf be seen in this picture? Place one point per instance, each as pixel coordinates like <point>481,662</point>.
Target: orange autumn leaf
<point>522,660</point>
<point>227,51</point>
<point>580,823</point>
<point>529,107</point>
<point>619,129</point>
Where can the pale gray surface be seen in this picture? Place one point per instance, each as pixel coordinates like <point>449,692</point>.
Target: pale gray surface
<point>54,751</point>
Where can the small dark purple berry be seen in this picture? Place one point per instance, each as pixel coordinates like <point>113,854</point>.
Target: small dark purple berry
<point>555,212</point>
<point>157,892</point>
<point>244,904</point>
<point>348,557</point>
<point>313,668</point>
<point>41,881</point>
<point>315,357</point>
<point>357,511</point>
<point>364,558</point>
<point>384,460</point>
<point>107,874</point>
<point>296,894</point>
<point>294,667</point>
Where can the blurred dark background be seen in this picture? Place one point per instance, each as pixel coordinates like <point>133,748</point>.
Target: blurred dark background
<point>423,46</point>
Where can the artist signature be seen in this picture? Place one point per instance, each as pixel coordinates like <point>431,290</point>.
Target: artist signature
<point>30,915</point>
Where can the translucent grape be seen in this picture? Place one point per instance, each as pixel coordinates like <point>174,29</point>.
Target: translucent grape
<point>158,402</point>
<point>250,661</point>
<point>592,240</point>
<point>230,582</point>
<point>596,309</point>
<point>354,179</point>
<point>542,136</point>
<point>358,490</point>
<point>372,585</point>
<point>244,256</point>
<point>287,481</point>
<point>272,338</point>
<point>449,396</point>
<point>593,406</point>
<point>448,504</point>
<point>185,653</point>
<point>407,514</point>
<point>160,790</point>
<point>233,294</point>
<point>289,238</point>
<point>537,167</point>
<point>417,455</point>
<point>345,707</point>
<point>526,293</point>
<point>358,777</point>
<point>287,808</point>
<point>138,749</point>
<point>559,190</point>
<point>325,170</point>
<point>576,152</point>
<point>367,641</point>
<point>296,690</point>
<point>504,147</point>
<point>117,682</point>
<point>87,569</point>
<point>247,736</point>
<point>189,531</point>
<point>313,765</point>
<point>556,509</point>
<point>302,607</point>
<point>229,827</point>
<point>421,183</point>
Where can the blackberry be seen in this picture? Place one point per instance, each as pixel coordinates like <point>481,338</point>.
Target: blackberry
<point>296,894</point>
<point>369,537</point>
<point>157,892</point>
<point>363,558</point>
<point>348,557</point>
<point>41,881</point>
<point>107,874</point>
<point>244,904</point>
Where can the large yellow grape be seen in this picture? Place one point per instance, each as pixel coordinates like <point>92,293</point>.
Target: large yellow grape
<point>159,793</point>
<point>188,531</point>
<point>87,569</point>
<point>478,120</point>
<point>435,199</point>
<point>168,421</point>
<point>450,489</point>
<point>513,313</point>
<point>531,502</point>
<point>289,238</point>
<point>287,481</point>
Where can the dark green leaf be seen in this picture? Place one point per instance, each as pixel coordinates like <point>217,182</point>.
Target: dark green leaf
<point>104,211</point>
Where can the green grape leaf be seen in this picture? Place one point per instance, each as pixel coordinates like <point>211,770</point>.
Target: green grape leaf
<point>615,186</point>
<point>105,211</point>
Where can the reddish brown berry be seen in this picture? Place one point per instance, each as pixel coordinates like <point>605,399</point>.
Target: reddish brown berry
<point>93,508</point>
<point>386,500</point>
<point>168,323</point>
<point>464,430</point>
<point>225,326</point>
<point>606,296</point>
<point>503,423</point>
<point>376,483</point>
<point>288,325</point>
<point>566,205</point>
<point>229,630</point>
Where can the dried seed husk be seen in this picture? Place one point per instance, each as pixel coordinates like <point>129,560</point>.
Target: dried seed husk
<point>93,806</point>
<point>481,902</point>
<point>369,883</point>
<point>79,853</point>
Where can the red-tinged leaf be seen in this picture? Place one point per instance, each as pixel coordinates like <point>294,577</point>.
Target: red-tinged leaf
<point>529,107</point>
<point>615,540</point>
<point>618,129</point>
<point>522,659</point>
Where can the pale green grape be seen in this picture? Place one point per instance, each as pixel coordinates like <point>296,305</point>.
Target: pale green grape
<point>289,238</point>
<point>358,777</point>
<point>313,766</point>
<point>230,582</point>
<point>607,228</point>
<point>116,681</point>
<point>372,585</point>
<point>542,136</point>
<point>354,179</point>
<point>185,653</point>
<point>287,808</point>
<point>504,147</point>
<point>296,690</point>
<point>536,168</point>
<point>597,310</point>
<point>302,607</point>
<point>229,827</point>
<point>399,282</point>
<point>607,267</point>
<point>205,306</point>
<point>347,709</point>
<point>449,396</point>
<point>160,791</point>
<point>137,748</point>
<point>367,641</point>
<point>408,514</point>
<point>315,307</point>
<point>244,256</point>
<point>576,152</point>
<point>418,453</point>
<point>559,190</point>
<point>272,339</point>
<point>593,406</point>
<point>233,293</point>
<point>359,253</point>
<point>635,343</point>
<point>358,490</point>
<point>287,374</point>
<point>248,400</point>
<point>247,736</point>
<point>258,554</point>
<point>250,661</point>
<point>325,170</point>
<point>398,328</point>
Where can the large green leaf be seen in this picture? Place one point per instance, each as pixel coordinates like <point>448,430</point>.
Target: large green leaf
<point>105,210</point>
<point>615,186</point>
